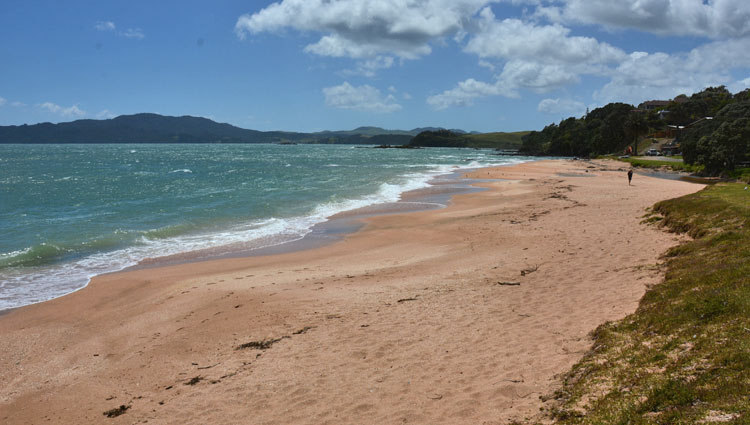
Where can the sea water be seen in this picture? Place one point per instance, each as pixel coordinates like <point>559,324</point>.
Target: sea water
<point>70,212</point>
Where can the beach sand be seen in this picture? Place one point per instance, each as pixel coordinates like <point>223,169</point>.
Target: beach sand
<point>403,321</point>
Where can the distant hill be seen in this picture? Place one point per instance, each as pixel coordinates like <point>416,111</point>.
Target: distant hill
<point>155,128</point>
<point>448,138</point>
<point>138,128</point>
<point>377,131</point>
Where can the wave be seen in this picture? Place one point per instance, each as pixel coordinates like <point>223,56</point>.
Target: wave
<point>45,271</point>
<point>52,253</point>
<point>32,256</point>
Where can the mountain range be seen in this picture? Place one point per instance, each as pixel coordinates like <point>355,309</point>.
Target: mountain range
<point>155,128</point>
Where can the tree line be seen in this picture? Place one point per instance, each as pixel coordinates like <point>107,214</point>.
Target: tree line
<point>712,128</point>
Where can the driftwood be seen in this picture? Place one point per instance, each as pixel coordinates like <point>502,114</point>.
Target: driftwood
<point>406,299</point>
<point>509,283</point>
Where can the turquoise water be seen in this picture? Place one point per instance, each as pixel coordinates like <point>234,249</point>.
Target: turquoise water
<point>70,212</point>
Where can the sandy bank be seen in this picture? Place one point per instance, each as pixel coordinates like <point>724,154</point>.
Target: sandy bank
<point>401,322</point>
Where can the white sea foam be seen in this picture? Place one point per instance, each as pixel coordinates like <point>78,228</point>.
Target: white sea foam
<point>23,287</point>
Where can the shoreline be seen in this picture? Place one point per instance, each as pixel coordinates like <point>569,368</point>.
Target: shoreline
<point>437,194</point>
<point>442,188</point>
<point>405,319</point>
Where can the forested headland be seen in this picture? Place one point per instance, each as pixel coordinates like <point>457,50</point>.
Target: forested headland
<point>711,128</point>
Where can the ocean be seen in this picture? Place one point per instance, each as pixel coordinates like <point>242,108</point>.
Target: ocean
<point>71,212</point>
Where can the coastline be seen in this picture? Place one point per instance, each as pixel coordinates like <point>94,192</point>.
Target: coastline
<point>401,320</point>
<point>442,188</point>
<point>270,225</point>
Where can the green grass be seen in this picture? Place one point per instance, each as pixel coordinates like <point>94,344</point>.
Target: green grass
<point>685,353</point>
<point>496,140</point>
<point>742,174</point>
<point>655,163</point>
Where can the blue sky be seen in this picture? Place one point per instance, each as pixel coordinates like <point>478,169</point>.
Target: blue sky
<point>310,65</point>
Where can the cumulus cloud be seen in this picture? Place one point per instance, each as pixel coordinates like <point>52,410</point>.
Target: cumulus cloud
<point>546,57</point>
<point>536,76</point>
<point>712,18</point>
<point>362,98</point>
<point>538,51</point>
<point>660,75</point>
<point>363,28</point>
<point>561,107</point>
<point>518,40</point>
<point>70,112</point>
<point>539,58</point>
<point>466,91</point>
<point>2,101</point>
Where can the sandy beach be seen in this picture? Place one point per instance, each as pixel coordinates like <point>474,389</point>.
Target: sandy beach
<point>463,315</point>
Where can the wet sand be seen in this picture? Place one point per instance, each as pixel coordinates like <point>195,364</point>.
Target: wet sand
<point>409,320</point>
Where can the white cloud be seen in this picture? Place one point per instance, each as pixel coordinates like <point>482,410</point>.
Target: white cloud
<point>539,51</point>
<point>133,33</point>
<point>536,76</point>
<point>369,68</point>
<point>105,26</point>
<point>70,112</point>
<point>104,114</point>
<point>538,58</point>
<point>487,65</point>
<point>362,98</point>
<point>2,101</point>
<point>712,18</point>
<point>516,74</point>
<point>543,58</point>
<point>551,44</point>
<point>740,85</point>
<point>363,28</point>
<point>660,75</point>
<point>108,26</point>
<point>561,107</point>
<point>465,93</point>
<point>17,104</point>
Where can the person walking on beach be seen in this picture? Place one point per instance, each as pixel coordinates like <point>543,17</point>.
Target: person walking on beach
<point>630,176</point>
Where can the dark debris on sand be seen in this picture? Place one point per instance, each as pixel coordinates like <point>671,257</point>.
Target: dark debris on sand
<point>117,411</point>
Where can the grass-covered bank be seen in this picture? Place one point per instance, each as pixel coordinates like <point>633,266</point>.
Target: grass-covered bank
<point>741,174</point>
<point>684,356</point>
<point>658,164</point>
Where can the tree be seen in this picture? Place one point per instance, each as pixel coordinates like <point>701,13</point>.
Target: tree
<point>635,126</point>
<point>719,143</point>
<point>726,147</point>
<point>537,142</point>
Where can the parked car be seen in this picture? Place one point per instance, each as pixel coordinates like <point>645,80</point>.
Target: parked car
<point>653,152</point>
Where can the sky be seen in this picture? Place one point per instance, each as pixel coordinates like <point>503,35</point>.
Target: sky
<point>312,65</point>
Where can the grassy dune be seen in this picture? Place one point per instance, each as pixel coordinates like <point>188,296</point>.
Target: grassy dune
<point>684,356</point>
